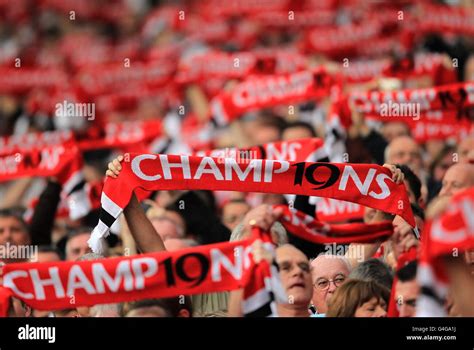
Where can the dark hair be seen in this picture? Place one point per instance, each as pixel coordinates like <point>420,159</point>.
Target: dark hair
<point>447,149</point>
<point>48,249</point>
<point>15,212</point>
<point>301,124</point>
<point>78,231</point>
<point>407,272</point>
<point>267,119</point>
<point>373,270</point>
<point>418,211</point>
<point>354,293</point>
<point>413,181</point>
<point>172,306</point>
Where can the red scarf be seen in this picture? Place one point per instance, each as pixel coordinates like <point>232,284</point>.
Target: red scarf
<point>59,160</point>
<point>270,91</point>
<point>313,230</point>
<point>328,209</point>
<point>30,141</point>
<point>203,269</point>
<point>62,161</point>
<point>451,230</point>
<point>446,19</point>
<point>445,97</point>
<point>342,39</point>
<point>20,81</point>
<point>238,65</point>
<point>122,135</point>
<point>302,150</point>
<point>101,79</point>
<point>366,184</point>
<point>110,135</point>
<point>434,125</point>
<point>263,289</point>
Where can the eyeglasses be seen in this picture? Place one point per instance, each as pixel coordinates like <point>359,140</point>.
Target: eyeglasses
<point>323,284</point>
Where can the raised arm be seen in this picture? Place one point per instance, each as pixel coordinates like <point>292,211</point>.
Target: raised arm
<point>142,230</point>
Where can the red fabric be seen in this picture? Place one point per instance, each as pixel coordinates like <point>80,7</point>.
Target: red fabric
<point>60,160</point>
<point>5,296</point>
<point>203,269</point>
<point>20,81</point>
<point>302,150</point>
<point>453,229</point>
<point>433,125</point>
<point>450,232</point>
<point>263,288</point>
<point>122,135</point>
<point>270,91</point>
<point>445,97</point>
<point>313,230</point>
<point>446,19</point>
<point>333,180</point>
<point>30,141</point>
<point>330,210</point>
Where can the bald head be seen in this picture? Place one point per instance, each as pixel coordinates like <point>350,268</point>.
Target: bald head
<point>327,271</point>
<point>465,147</point>
<point>457,178</point>
<point>404,150</point>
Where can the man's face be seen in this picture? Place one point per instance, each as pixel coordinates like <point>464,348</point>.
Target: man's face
<point>295,274</point>
<point>45,257</point>
<point>262,134</point>
<point>150,311</point>
<point>466,146</point>
<point>166,228</point>
<point>404,150</point>
<point>77,246</point>
<point>458,177</point>
<point>369,214</point>
<point>13,231</point>
<point>233,213</point>
<point>406,294</point>
<point>174,244</point>
<point>440,170</point>
<point>328,273</point>
<point>393,130</point>
<point>296,133</point>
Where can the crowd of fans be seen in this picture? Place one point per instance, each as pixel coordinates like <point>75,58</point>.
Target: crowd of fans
<point>361,280</point>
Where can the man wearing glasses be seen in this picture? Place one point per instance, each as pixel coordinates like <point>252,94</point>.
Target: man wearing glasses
<point>328,273</point>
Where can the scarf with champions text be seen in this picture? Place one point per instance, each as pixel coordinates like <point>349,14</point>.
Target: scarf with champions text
<point>204,269</point>
<point>366,184</point>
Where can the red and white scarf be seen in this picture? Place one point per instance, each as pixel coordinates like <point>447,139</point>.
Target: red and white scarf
<point>434,125</point>
<point>366,184</point>
<point>445,97</point>
<point>269,91</point>
<point>313,230</point>
<point>452,230</point>
<point>62,161</point>
<point>333,210</point>
<point>302,150</point>
<point>204,269</point>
